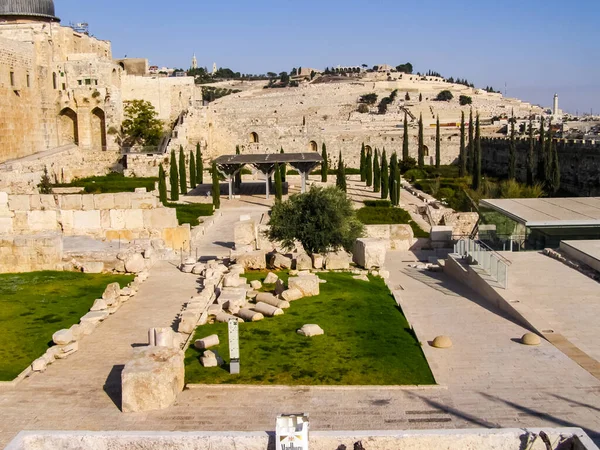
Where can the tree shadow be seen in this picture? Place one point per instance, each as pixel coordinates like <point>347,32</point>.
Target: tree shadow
<point>112,385</point>
<point>574,402</point>
<point>229,245</point>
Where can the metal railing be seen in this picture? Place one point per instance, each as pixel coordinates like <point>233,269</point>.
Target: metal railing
<point>478,253</point>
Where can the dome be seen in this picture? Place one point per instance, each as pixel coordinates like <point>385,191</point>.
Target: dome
<point>35,9</point>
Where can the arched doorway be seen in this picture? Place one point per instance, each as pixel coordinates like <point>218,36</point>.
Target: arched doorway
<point>98,129</point>
<point>368,148</point>
<point>425,150</point>
<point>68,131</point>
<point>313,146</point>
<point>253,138</point>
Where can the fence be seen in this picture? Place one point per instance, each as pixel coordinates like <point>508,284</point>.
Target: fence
<point>483,256</point>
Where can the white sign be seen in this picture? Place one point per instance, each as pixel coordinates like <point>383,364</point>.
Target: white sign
<point>234,346</point>
<point>292,432</point>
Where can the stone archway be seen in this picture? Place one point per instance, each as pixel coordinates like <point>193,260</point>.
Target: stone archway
<point>313,146</point>
<point>253,138</point>
<point>98,127</point>
<point>425,150</point>
<point>68,130</point>
<point>368,148</point>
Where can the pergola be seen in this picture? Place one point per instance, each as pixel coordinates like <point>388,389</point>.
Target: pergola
<point>304,163</point>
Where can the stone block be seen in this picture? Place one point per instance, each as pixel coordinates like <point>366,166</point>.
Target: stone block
<point>211,358</point>
<point>311,330</point>
<point>278,261</point>
<point>99,305</point>
<point>370,252</point>
<point>267,310</point>
<point>337,261</point>
<point>93,267</point>
<point>134,219</point>
<point>178,237</point>
<point>244,233</point>
<point>122,200</point>
<point>256,285</point>
<point>6,225</point>
<point>441,234</point>
<point>152,379</point>
<point>3,199</point>
<point>117,219</point>
<point>70,202</point>
<point>42,221</point>
<point>104,201</point>
<point>254,260</point>
<point>303,262</point>
<point>19,202</point>
<point>308,285</point>
<point>63,337</point>
<point>87,203</point>
<point>160,218</point>
<point>143,201</point>
<point>378,231</point>
<point>86,221</point>
<point>207,342</point>
<point>188,321</point>
<point>318,261</point>
<point>135,263</point>
<point>292,295</point>
<point>271,278</point>
<point>105,219</point>
<point>43,201</point>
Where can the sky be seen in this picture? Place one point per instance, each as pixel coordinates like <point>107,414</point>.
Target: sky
<point>529,49</point>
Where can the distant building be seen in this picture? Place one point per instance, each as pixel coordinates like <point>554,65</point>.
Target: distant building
<point>194,62</point>
<point>214,71</point>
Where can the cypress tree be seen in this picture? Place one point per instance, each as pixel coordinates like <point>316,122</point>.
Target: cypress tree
<point>405,154</point>
<point>363,157</point>
<point>462,170</point>
<point>162,185</point>
<point>283,169</point>
<point>174,178</point>
<point>397,184</point>
<point>555,171</point>
<point>547,160</point>
<point>421,143</point>
<point>238,176</point>
<point>530,155</point>
<point>438,145</point>
<point>392,178</point>
<point>278,184</point>
<point>199,165</point>
<point>376,172</point>
<point>216,187</point>
<point>540,159</point>
<point>471,148</point>
<point>182,172</point>
<point>385,180</point>
<point>324,164</point>
<point>477,157</point>
<point>512,151</point>
<point>192,171</point>
<point>369,169</point>
<point>340,181</point>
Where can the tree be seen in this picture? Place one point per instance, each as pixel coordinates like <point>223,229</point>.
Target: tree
<point>477,157</point>
<point>238,175</point>
<point>438,144</point>
<point>369,169</point>
<point>405,154</point>
<point>462,168</point>
<point>192,171</point>
<point>199,165</point>
<point>278,184</point>
<point>547,161</point>
<point>369,99</point>
<point>541,171</point>
<point>471,152</point>
<point>45,185</point>
<point>407,97</point>
<point>376,172</point>
<point>283,169</point>
<point>322,220</point>
<point>392,178</point>
<point>182,172</point>
<point>555,170</point>
<point>530,155</point>
<point>512,151</point>
<point>162,185</point>
<point>363,160</point>
<point>285,78</point>
<point>421,143</point>
<point>385,179</point>
<point>141,125</point>
<point>420,97</point>
<point>444,96</point>
<point>174,178</point>
<point>465,100</point>
<point>324,164</point>
<point>340,180</point>
<point>216,187</point>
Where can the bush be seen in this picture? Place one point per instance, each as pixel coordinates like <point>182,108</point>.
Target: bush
<point>384,216</point>
<point>369,99</point>
<point>444,96</point>
<point>112,183</point>
<point>378,203</point>
<point>414,174</point>
<point>465,100</point>
<point>363,109</point>
<point>407,164</point>
<point>189,212</point>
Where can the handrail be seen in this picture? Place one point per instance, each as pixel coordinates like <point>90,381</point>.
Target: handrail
<point>477,252</point>
<point>491,250</point>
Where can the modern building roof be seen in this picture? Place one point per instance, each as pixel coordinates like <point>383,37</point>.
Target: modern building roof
<point>549,212</point>
<point>29,8</point>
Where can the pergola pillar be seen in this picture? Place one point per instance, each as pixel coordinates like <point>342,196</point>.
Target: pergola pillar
<point>267,169</point>
<point>304,168</point>
<point>230,170</point>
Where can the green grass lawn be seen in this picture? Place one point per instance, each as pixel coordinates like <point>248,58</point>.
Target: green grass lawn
<point>381,215</point>
<point>367,341</point>
<point>189,212</point>
<point>33,306</point>
<point>112,183</point>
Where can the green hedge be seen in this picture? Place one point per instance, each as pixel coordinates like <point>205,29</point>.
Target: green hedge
<point>189,212</point>
<point>382,216</point>
<point>111,183</point>
<point>378,203</point>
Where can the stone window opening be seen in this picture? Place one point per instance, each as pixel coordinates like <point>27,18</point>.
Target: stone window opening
<point>54,82</point>
<point>88,82</point>
<point>79,82</point>
<point>12,78</point>
<point>28,80</point>
<point>253,138</point>
<point>313,146</point>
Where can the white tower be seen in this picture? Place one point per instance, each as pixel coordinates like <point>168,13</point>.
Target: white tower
<point>194,62</point>
<point>214,68</point>
<point>555,110</point>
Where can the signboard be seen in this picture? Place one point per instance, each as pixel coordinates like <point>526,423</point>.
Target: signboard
<point>292,432</point>
<point>234,347</point>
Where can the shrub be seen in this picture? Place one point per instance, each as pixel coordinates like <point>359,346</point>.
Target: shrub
<point>465,100</point>
<point>363,109</point>
<point>414,174</point>
<point>378,203</point>
<point>369,99</point>
<point>383,216</point>
<point>407,164</point>
<point>45,186</point>
<point>444,96</point>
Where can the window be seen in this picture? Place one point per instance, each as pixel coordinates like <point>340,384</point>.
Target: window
<point>54,83</point>
<point>28,81</point>
<point>64,86</point>
<point>79,82</point>
<point>12,78</point>
<point>96,82</point>
<point>88,82</point>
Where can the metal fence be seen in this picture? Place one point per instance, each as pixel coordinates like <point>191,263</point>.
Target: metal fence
<point>478,253</point>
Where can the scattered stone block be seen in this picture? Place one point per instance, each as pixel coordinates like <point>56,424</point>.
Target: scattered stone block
<point>207,342</point>
<point>87,328</point>
<point>303,262</point>
<point>361,278</point>
<point>308,285</point>
<point>244,233</point>
<point>198,269</point>
<point>278,261</point>
<point>253,260</point>
<point>152,379</point>
<point>337,261</point>
<point>267,310</point>
<point>63,337</point>
<point>95,317</point>
<point>225,317</point>
<point>292,294</point>
<point>211,358</point>
<point>92,267</point>
<point>311,330</point>
<point>67,350</point>
<point>270,299</point>
<point>385,274</point>
<point>111,293</point>
<point>135,263</point>
<point>317,261</point>
<point>99,305</point>
<point>256,284</point>
<point>213,310</point>
<point>271,278</point>
<point>233,280</point>
<point>250,316</point>
<point>369,252</point>
<point>188,321</point>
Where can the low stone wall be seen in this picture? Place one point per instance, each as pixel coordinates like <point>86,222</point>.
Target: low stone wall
<point>30,253</point>
<point>123,216</point>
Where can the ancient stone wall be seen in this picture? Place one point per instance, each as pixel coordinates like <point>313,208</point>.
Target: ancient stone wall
<point>30,253</point>
<point>579,163</point>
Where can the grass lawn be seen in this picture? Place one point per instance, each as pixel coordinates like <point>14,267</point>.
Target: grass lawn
<point>33,306</point>
<point>112,183</point>
<point>376,215</point>
<point>367,341</point>
<point>189,212</point>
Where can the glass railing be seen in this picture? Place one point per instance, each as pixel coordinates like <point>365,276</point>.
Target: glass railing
<point>479,254</point>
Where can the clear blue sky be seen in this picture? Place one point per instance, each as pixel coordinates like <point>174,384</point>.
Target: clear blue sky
<point>535,47</point>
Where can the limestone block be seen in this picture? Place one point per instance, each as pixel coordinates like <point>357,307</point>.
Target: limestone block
<point>270,299</point>
<point>378,231</point>
<point>135,263</point>
<point>70,202</point>
<point>187,268</point>
<point>317,260</point>
<point>163,337</point>
<point>43,201</point>
<point>361,278</point>
<point>237,268</point>
<point>441,233</point>
<point>198,269</point>
<point>134,219</point>
<point>111,293</point>
<point>67,221</point>
<point>278,261</point>
<point>117,219</point>
<point>211,358</point>
<point>177,237</point>
<point>250,316</point>
<point>271,278</point>
<point>143,201</point>
<point>401,232</point>
<point>104,201</point>
<point>188,321</point>
<point>213,310</point>
<point>224,317</point>
<point>370,252</point>
<point>233,280</point>
<point>262,240</point>
<point>303,262</point>
<point>86,221</point>
<point>40,364</point>
<point>3,199</point>
<point>237,296</point>
<point>20,221</point>
<point>92,267</point>
<point>63,337</point>
<point>87,202</point>
<point>337,261</point>
<point>19,202</point>
<point>104,219</point>
<point>87,328</point>
<point>256,285</point>
<point>308,285</point>
<point>292,294</point>
<point>122,200</point>
<point>244,233</point>
<point>152,379</point>
<point>385,274</point>
<point>267,310</point>
<point>42,220</point>
<point>6,225</point>
<point>207,342</point>
<point>311,330</point>
<point>254,260</point>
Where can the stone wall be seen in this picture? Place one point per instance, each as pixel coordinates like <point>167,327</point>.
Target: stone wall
<point>122,216</point>
<point>30,253</point>
<point>579,163</point>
